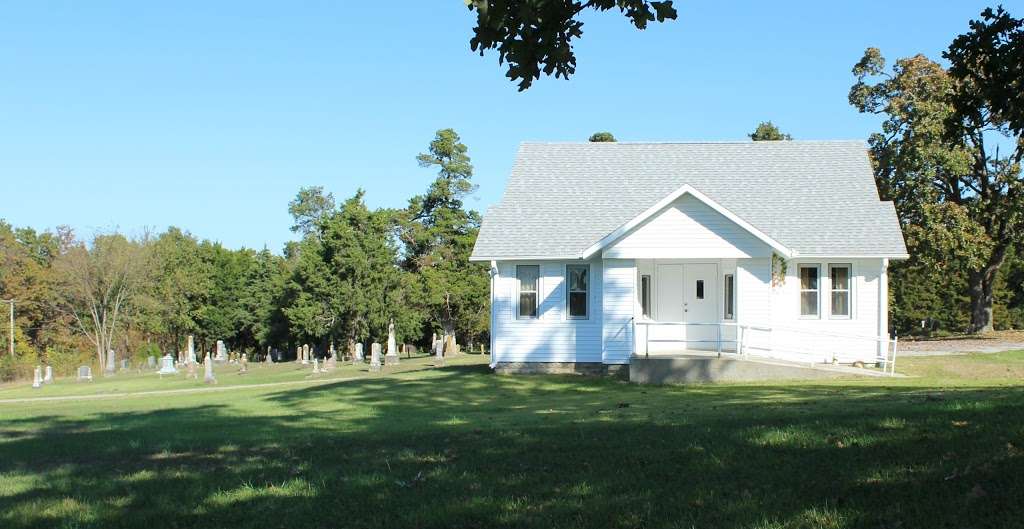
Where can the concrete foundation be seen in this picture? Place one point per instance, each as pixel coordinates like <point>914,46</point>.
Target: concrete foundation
<point>685,369</point>
<point>560,368</point>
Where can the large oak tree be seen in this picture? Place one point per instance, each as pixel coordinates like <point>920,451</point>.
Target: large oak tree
<point>950,151</point>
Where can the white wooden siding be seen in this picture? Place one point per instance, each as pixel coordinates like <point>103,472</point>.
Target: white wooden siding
<point>550,337</point>
<point>863,320</point>
<point>688,228</point>
<point>619,299</point>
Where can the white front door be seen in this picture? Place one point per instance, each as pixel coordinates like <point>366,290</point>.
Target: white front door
<point>685,293</point>
<point>700,305</point>
<point>670,293</point>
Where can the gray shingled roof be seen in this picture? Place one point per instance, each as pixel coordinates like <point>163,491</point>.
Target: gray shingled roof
<point>814,197</point>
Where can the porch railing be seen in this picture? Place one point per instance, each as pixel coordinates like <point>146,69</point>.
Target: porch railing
<point>762,338</point>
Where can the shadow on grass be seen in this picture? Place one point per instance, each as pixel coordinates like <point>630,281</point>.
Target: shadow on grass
<point>461,448</point>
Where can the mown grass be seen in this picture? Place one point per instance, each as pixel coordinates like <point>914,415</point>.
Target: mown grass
<point>460,447</point>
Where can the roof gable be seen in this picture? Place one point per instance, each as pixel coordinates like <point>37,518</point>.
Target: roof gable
<point>663,204</point>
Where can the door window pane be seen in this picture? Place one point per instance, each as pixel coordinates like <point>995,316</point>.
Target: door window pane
<point>528,276</point>
<point>700,289</point>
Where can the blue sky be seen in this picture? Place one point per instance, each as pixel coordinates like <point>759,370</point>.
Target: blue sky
<point>210,115</point>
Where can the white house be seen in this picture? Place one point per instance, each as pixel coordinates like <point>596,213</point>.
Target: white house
<point>603,251</point>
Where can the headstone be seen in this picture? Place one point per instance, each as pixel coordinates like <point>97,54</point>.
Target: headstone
<point>192,371</point>
<point>244,363</point>
<point>331,352</point>
<point>222,352</point>
<point>190,351</point>
<point>125,364</point>
<point>111,361</point>
<point>375,356</point>
<point>359,353</point>
<point>167,366</point>
<point>151,362</point>
<point>307,354</point>
<point>84,373</point>
<point>48,378</point>
<point>37,377</point>
<point>330,363</point>
<point>392,357</point>
<point>208,365</point>
<point>316,366</point>
<point>270,356</point>
<point>438,354</point>
<point>450,348</point>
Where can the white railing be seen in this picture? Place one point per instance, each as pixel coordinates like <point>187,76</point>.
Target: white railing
<point>768,341</point>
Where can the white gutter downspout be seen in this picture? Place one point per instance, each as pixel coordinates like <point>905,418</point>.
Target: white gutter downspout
<point>493,272</point>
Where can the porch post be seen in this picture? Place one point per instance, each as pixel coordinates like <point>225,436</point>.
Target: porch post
<point>883,310</point>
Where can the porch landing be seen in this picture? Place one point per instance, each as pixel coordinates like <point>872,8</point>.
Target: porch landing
<point>701,367</point>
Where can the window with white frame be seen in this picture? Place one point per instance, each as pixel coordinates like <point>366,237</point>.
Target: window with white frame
<point>529,280</point>
<point>577,284</point>
<point>809,290</point>
<point>839,283</point>
<point>645,295</point>
<point>730,297</point>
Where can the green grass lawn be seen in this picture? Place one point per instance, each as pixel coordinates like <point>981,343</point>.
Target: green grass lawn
<point>460,447</point>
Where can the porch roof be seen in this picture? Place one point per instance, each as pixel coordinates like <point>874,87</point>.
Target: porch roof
<point>814,198</point>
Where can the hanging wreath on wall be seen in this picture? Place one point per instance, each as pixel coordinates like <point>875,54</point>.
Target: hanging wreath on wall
<point>778,270</point>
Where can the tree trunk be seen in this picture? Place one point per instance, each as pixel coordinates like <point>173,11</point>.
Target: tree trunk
<point>980,285</point>
<point>980,290</point>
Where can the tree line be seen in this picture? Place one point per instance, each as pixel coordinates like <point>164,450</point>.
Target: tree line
<point>350,272</point>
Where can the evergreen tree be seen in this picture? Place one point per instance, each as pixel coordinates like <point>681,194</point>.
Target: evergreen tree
<point>438,234</point>
<point>767,131</point>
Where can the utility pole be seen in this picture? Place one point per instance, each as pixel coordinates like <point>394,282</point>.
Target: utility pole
<point>11,301</point>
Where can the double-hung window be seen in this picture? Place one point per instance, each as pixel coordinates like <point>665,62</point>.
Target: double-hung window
<point>839,283</point>
<point>529,280</point>
<point>577,284</point>
<point>809,290</point>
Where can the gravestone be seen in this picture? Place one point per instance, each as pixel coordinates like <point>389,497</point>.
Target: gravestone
<point>438,354</point>
<point>37,378</point>
<point>208,365</point>
<point>151,362</point>
<point>244,363</point>
<point>433,342</point>
<point>48,377</point>
<point>450,347</point>
<point>375,356</point>
<point>316,366</point>
<point>222,352</point>
<point>84,373</point>
<point>270,356</point>
<point>392,357</point>
<point>111,361</point>
<point>192,371</point>
<point>190,350</point>
<point>167,367</point>
<point>330,363</point>
<point>359,353</point>
<point>125,364</point>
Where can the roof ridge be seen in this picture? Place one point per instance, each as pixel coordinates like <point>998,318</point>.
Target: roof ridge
<point>689,142</point>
